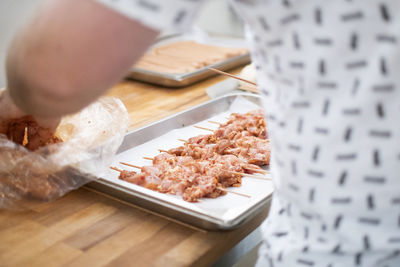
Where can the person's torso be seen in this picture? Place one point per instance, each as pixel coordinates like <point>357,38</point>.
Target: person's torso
<point>328,75</point>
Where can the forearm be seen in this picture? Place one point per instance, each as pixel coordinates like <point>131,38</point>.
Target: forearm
<point>71,53</point>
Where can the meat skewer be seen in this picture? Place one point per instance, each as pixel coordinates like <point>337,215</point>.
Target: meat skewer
<point>248,168</point>
<point>236,161</point>
<point>233,172</point>
<point>219,188</point>
<point>174,151</point>
<point>174,175</point>
<point>27,132</point>
<point>206,164</point>
<point>249,148</point>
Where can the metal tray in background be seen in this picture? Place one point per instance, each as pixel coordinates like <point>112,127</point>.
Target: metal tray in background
<point>145,197</point>
<point>185,79</point>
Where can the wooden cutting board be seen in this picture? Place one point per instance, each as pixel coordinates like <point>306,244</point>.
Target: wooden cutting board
<point>85,228</point>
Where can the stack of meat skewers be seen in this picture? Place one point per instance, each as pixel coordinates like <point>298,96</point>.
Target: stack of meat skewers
<point>207,164</point>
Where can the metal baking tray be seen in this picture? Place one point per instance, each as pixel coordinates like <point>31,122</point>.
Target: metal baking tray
<point>184,79</point>
<point>223,213</point>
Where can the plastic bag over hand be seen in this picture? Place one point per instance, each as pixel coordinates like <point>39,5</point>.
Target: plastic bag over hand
<point>90,140</point>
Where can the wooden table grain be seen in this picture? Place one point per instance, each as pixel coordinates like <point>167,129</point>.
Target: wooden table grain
<point>85,228</point>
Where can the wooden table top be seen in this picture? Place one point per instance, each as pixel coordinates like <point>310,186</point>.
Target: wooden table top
<point>84,228</point>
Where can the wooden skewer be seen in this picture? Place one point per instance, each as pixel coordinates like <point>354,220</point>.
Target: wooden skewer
<point>182,140</point>
<point>249,88</point>
<point>25,141</point>
<point>257,170</point>
<point>116,169</point>
<point>251,175</point>
<point>203,128</point>
<point>131,165</point>
<point>233,192</point>
<point>162,150</point>
<point>215,122</point>
<point>148,158</point>
<point>232,76</point>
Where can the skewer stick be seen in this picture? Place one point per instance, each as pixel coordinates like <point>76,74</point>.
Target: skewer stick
<point>251,175</point>
<point>220,188</point>
<point>182,140</point>
<point>257,170</point>
<point>162,150</point>
<point>233,192</point>
<point>215,122</point>
<point>232,76</point>
<point>130,165</point>
<point>25,140</point>
<point>116,169</point>
<point>203,128</point>
<point>248,88</point>
<point>148,158</point>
